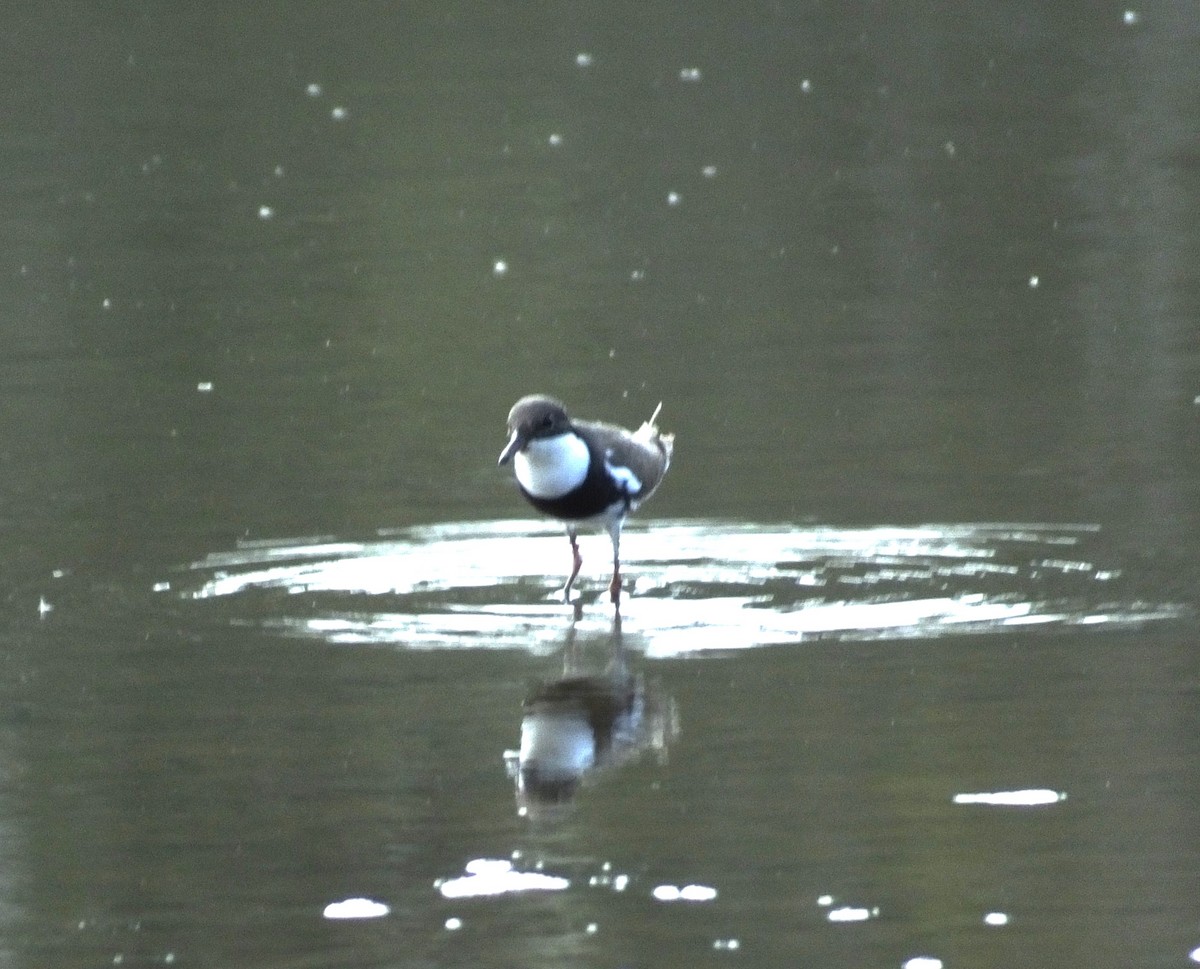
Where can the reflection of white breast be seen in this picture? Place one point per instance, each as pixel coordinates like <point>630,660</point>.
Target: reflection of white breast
<point>557,744</point>
<point>550,467</point>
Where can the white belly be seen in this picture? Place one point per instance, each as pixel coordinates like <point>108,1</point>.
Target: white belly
<point>550,467</point>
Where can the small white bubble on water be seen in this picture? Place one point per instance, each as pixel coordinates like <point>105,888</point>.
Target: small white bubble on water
<point>923,962</point>
<point>689,893</point>
<point>339,113</point>
<point>555,140</point>
<point>690,74</point>
<point>806,86</point>
<point>584,59</point>
<point>355,908</point>
<point>995,918</point>
<point>453,924</point>
<point>849,913</point>
<point>1131,18</point>
<point>313,90</point>
<point>674,198</point>
<point>265,212</point>
<point>499,268</point>
<point>709,171</point>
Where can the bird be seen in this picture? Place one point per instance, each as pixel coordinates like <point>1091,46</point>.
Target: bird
<point>584,473</point>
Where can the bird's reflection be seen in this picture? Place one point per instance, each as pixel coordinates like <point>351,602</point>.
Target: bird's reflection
<point>583,722</point>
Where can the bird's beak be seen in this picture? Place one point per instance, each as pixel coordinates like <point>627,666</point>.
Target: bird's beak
<point>515,443</point>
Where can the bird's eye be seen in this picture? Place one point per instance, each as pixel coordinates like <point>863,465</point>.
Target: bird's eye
<point>548,421</point>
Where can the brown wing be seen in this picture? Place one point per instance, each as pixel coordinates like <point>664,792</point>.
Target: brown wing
<point>647,453</point>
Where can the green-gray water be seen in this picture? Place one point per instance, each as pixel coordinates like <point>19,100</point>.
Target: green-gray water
<point>919,291</point>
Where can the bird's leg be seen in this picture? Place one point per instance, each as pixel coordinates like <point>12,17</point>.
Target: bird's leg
<point>576,564</point>
<point>614,587</point>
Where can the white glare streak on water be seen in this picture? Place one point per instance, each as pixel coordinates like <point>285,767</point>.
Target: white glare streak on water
<point>696,586</point>
<point>487,877</point>
<point>847,913</point>
<point>1035,797</point>
<point>356,908</point>
<point>688,893</point>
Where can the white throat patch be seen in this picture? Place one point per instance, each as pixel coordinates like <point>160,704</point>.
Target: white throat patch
<point>549,467</point>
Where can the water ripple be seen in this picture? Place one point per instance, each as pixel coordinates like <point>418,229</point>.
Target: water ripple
<point>696,586</point>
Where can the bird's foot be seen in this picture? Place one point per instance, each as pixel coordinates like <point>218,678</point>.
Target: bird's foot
<point>614,589</point>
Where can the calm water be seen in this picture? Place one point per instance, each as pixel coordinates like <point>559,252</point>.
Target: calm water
<point>913,626</point>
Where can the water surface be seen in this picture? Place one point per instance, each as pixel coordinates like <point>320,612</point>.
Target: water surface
<point>919,296</point>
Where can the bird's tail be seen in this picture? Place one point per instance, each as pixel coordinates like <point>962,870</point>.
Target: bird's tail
<point>650,432</point>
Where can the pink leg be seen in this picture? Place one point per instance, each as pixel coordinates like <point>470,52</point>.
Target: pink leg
<point>576,564</point>
<point>614,587</point>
